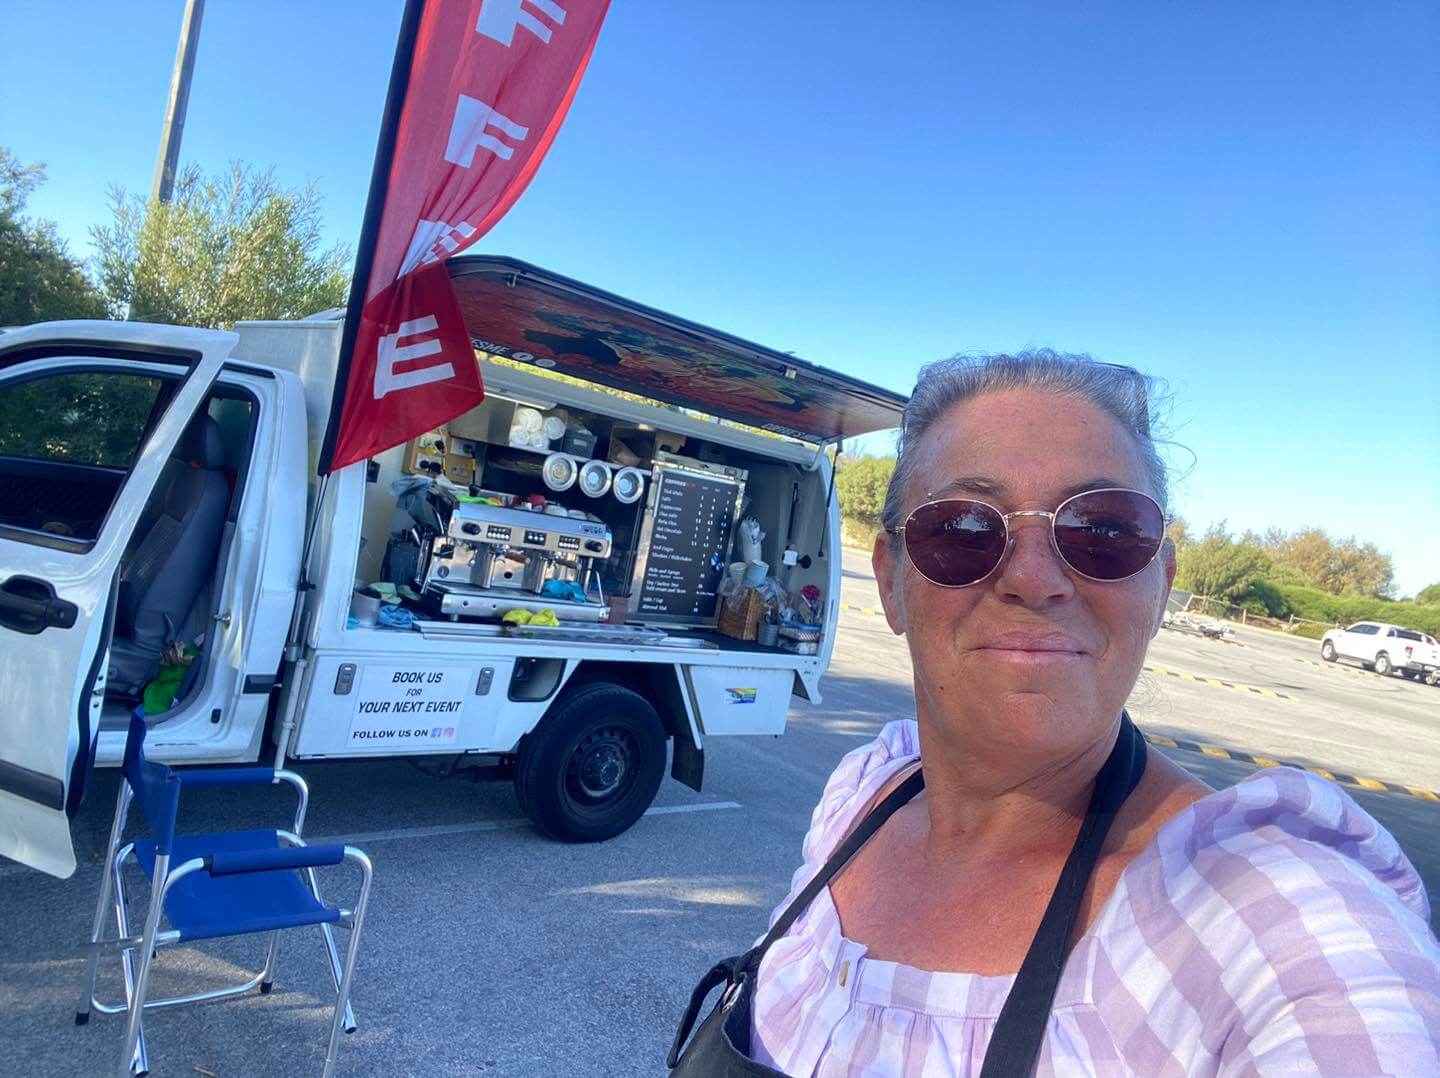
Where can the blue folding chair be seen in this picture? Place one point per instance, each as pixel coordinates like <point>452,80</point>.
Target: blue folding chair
<point>208,886</point>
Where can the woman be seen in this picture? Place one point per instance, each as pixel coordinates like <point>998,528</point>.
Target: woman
<point>1047,889</point>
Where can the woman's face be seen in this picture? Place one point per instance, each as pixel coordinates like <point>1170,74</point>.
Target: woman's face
<point>1035,658</point>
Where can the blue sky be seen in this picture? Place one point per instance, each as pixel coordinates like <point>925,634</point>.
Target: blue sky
<point>1240,198</point>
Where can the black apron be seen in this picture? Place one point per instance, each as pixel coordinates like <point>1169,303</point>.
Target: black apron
<point>721,1046</point>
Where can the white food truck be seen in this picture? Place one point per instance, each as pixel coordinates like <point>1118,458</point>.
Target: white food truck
<point>534,592</point>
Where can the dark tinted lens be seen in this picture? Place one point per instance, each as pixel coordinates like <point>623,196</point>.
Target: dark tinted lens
<point>955,542</point>
<point>1109,534</point>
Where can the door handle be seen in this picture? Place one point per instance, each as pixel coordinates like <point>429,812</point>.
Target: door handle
<point>29,605</point>
<point>222,619</point>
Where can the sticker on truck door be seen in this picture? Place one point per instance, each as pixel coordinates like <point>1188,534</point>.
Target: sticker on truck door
<point>408,707</point>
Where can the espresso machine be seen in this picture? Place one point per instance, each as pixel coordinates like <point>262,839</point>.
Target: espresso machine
<point>492,560</point>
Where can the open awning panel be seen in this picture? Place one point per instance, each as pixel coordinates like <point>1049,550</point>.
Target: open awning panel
<point>516,310</point>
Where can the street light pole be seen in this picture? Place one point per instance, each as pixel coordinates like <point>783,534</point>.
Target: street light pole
<point>179,100</point>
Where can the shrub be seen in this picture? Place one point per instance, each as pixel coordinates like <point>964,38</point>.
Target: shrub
<point>1316,605</point>
<point>1263,597</point>
<point>860,485</point>
<point>1219,567</point>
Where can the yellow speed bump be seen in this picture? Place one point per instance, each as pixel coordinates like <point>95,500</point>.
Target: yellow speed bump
<point>1219,753</point>
<point>1271,693</point>
<point>1342,669</point>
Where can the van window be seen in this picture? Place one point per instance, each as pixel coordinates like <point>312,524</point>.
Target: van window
<point>96,418</point>
<point>67,441</point>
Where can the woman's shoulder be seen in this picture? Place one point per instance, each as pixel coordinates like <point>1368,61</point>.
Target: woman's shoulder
<point>861,774</point>
<point>1280,916</point>
<point>1276,862</point>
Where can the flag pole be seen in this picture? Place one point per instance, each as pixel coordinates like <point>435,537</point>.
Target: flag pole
<point>374,209</point>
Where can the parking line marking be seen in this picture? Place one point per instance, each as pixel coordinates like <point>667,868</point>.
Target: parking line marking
<point>699,806</point>
<point>863,610</point>
<point>1265,761</point>
<point>1270,693</point>
<point>438,830</point>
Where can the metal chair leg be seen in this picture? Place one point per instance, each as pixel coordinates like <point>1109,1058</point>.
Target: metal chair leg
<point>141,1061</point>
<point>342,997</point>
<point>122,805</point>
<point>331,950</point>
<point>132,1063</point>
<point>267,974</point>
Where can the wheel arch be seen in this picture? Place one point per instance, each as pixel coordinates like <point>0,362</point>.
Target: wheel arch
<point>664,688</point>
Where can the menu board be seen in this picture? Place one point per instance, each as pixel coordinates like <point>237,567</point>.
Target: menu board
<point>691,514</point>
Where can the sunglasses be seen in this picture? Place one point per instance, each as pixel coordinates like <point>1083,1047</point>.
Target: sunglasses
<point>1109,534</point>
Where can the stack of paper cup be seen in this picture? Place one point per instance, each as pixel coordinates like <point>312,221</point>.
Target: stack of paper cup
<point>527,429</point>
<point>755,573</point>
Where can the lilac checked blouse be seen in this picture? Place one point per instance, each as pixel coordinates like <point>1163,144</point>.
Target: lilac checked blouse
<point>1273,928</point>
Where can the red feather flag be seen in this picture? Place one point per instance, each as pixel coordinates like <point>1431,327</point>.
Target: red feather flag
<point>478,91</point>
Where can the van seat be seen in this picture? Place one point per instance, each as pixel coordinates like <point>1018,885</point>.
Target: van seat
<point>171,556</point>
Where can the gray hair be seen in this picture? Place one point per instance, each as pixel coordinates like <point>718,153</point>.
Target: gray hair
<point>1125,393</point>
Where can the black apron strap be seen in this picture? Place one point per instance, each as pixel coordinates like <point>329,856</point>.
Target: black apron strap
<point>731,971</point>
<point>1020,1030</point>
<point>891,803</point>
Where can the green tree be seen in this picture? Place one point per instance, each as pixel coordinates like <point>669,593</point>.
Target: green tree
<point>1332,565</point>
<point>1220,567</point>
<point>39,281</point>
<point>1178,532</point>
<point>1429,596</point>
<point>860,484</point>
<point>227,247</point>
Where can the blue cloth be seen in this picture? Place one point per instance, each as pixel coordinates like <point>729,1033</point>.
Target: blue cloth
<point>394,617</point>
<point>563,589</point>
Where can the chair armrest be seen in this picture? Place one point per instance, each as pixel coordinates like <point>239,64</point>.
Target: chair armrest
<point>228,776</point>
<point>231,862</point>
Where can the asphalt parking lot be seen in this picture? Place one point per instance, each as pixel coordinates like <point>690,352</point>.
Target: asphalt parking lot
<point>491,950</point>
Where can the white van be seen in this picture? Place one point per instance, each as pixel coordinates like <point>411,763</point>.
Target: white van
<point>159,502</point>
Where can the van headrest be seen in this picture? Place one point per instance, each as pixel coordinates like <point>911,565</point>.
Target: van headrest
<point>201,444</point>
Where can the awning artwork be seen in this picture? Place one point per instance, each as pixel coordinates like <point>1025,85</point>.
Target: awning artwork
<point>525,313</point>
<point>478,92</point>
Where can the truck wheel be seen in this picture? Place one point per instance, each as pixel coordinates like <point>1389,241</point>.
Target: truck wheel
<point>1382,664</point>
<point>592,766</point>
<point>1327,652</point>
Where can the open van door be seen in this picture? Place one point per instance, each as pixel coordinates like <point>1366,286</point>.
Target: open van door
<point>90,413</point>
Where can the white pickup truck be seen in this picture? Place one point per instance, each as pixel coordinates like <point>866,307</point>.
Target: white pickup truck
<point>158,493</point>
<point>1385,648</point>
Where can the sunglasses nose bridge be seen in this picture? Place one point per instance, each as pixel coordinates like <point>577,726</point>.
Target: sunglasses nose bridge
<point>1012,531</point>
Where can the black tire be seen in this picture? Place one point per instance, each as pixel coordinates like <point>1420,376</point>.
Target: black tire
<point>1382,664</point>
<point>593,765</point>
<point>1327,651</point>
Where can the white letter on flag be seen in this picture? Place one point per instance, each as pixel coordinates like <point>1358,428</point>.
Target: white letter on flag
<point>391,353</point>
<point>498,19</point>
<point>472,117</point>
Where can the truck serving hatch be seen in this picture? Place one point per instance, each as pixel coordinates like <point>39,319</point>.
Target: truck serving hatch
<point>524,313</point>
